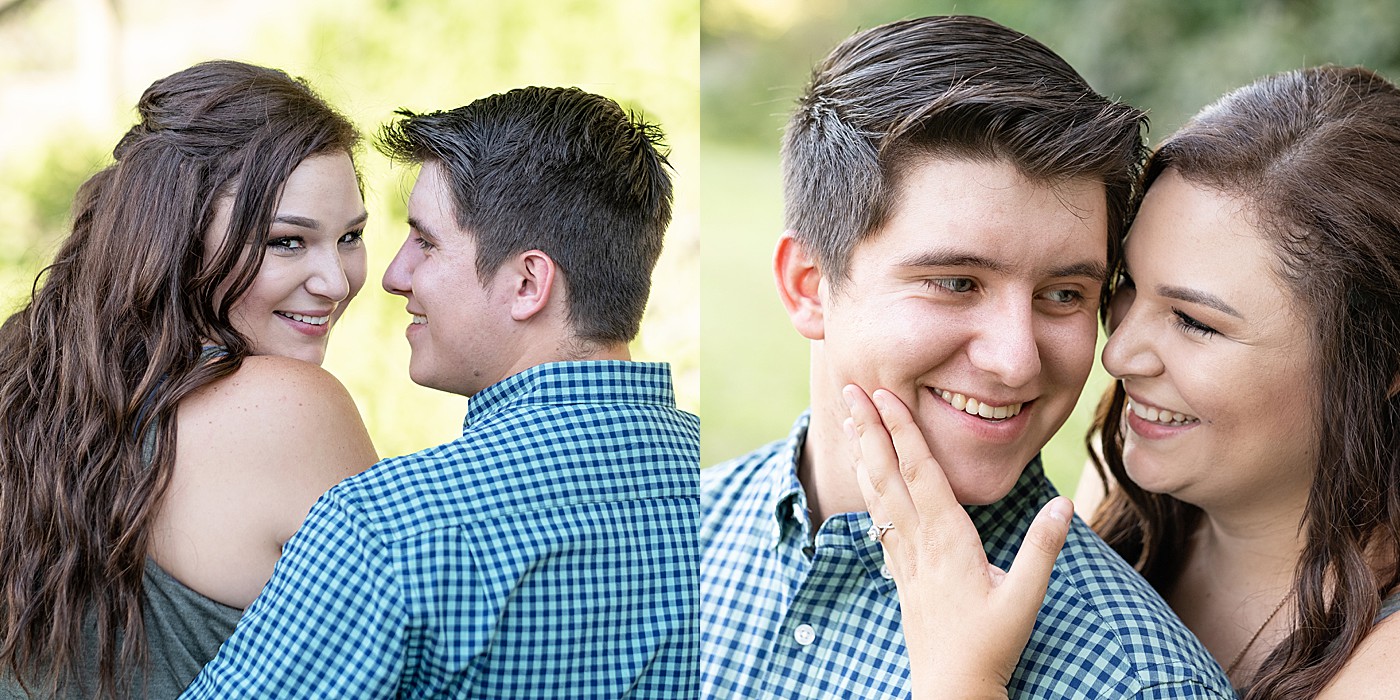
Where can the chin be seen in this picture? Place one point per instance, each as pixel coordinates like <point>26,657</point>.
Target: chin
<point>983,489</point>
<point>313,355</point>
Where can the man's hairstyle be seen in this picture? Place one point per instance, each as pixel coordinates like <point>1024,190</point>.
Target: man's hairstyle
<point>558,170</point>
<point>943,87</point>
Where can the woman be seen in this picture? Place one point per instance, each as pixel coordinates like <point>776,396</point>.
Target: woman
<point>157,445</point>
<point>1255,430</point>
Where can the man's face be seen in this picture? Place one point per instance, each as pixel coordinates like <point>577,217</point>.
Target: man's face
<point>461,334</point>
<point>975,304</point>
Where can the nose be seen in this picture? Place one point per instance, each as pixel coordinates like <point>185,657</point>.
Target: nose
<point>1006,347</point>
<point>398,276</point>
<point>1129,351</point>
<point>328,280</point>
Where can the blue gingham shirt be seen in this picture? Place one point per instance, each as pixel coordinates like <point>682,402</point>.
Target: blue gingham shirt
<point>778,623</point>
<point>549,552</point>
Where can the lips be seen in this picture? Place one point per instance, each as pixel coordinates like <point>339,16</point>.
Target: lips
<point>309,319</point>
<point>1160,416</point>
<point>982,409</point>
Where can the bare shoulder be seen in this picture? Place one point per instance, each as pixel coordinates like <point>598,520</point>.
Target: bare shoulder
<point>253,452</point>
<point>1373,671</point>
<point>263,385</point>
<point>278,431</point>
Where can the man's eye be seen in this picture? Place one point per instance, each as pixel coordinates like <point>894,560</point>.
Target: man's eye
<point>959,285</point>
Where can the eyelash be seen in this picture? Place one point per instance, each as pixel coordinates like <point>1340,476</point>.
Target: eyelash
<point>1077,297</point>
<point>1191,325</point>
<point>423,243</point>
<point>945,283</point>
<point>286,242</point>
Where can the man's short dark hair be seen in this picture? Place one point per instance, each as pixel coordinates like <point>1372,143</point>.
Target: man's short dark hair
<point>955,87</point>
<point>558,170</point>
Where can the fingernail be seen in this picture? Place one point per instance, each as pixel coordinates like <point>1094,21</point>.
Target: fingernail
<point>881,398</point>
<point>1061,509</point>
<point>849,394</point>
<point>849,425</point>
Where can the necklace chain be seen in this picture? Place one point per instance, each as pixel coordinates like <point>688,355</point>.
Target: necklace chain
<point>1240,656</point>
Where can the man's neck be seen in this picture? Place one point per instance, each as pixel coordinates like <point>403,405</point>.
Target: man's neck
<point>825,469</point>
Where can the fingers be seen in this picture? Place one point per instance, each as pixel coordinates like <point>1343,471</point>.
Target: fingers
<point>1029,576</point>
<point>927,484</point>
<point>877,464</point>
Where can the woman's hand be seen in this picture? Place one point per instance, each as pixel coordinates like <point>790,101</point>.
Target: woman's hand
<point>965,620</point>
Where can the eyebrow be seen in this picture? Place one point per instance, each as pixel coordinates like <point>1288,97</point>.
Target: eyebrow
<point>314,225</point>
<point>418,226</point>
<point>1094,270</point>
<point>1194,296</point>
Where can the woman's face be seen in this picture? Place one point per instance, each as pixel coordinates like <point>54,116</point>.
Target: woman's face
<point>1214,354</point>
<point>313,264</point>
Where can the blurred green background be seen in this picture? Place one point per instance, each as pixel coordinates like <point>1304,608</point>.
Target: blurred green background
<point>1170,57</point>
<point>71,71</point>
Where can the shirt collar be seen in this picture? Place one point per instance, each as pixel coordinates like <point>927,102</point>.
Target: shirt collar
<point>786,503</point>
<point>596,381</point>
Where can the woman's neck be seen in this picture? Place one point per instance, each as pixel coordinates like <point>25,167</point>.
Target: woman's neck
<point>1235,586</point>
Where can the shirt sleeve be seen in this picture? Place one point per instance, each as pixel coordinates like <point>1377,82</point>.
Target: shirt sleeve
<point>1186,690</point>
<point>329,624</point>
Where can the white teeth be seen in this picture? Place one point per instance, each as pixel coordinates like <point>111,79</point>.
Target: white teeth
<point>1162,416</point>
<point>419,320</point>
<point>977,408</point>
<point>312,320</point>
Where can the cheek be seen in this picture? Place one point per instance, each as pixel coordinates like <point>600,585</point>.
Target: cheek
<point>272,285</point>
<point>899,339</point>
<point>355,271</point>
<point>1066,347</point>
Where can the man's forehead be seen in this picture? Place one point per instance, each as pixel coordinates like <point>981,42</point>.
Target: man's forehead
<point>431,202</point>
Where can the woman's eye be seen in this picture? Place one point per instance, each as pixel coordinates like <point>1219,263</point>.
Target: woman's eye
<point>958,285</point>
<point>1191,325</point>
<point>286,243</point>
<point>352,237</point>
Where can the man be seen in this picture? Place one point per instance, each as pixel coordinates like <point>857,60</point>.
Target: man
<point>952,188</point>
<point>550,550</point>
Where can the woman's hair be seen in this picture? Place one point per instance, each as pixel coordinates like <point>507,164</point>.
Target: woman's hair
<point>1316,154</point>
<point>91,370</point>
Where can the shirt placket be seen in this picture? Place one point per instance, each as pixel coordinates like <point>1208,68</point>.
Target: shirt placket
<point>825,615</point>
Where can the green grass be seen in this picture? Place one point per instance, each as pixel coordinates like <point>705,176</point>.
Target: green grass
<point>754,365</point>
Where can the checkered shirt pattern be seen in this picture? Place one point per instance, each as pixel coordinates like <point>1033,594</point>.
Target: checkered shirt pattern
<point>549,552</point>
<point>777,622</point>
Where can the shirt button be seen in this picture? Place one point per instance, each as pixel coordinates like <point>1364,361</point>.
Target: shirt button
<point>804,634</point>
<point>885,571</point>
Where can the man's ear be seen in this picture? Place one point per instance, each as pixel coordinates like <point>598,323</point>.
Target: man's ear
<point>534,282</point>
<point>799,282</point>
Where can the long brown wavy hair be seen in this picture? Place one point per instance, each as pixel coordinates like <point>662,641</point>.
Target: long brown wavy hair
<point>93,367</point>
<point>1316,153</point>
